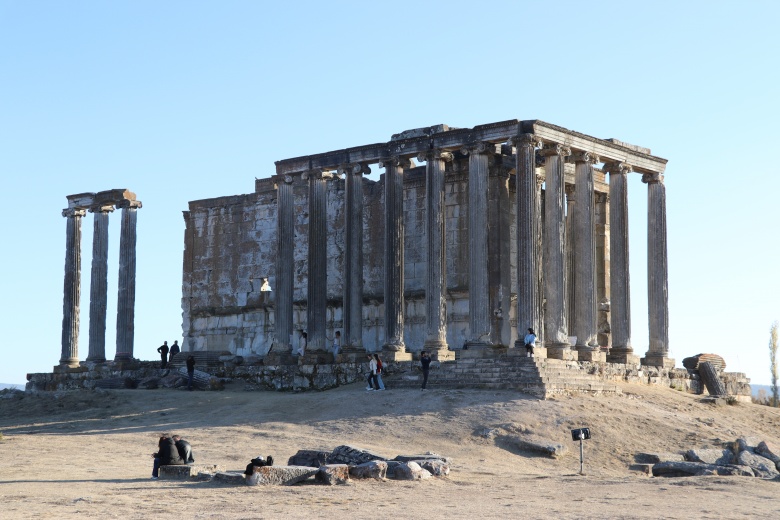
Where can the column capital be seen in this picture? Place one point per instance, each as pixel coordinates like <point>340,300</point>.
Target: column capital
<point>396,160</point>
<point>317,174</point>
<point>551,149</point>
<point>73,212</point>
<point>585,157</point>
<point>480,148</point>
<point>652,178</point>
<point>102,208</point>
<point>430,155</point>
<point>526,139</point>
<point>129,204</point>
<point>570,190</point>
<point>354,169</point>
<point>617,167</point>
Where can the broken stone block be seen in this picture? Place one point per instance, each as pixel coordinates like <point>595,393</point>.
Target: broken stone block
<point>373,469</point>
<point>332,474</point>
<point>435,467</point>
<point>229,478</point>
<point>710,456</point>
<point>418,458</point>
<point>542,446</point>
<point>351,455</point>
<point>768,452</point>
<point>689,469</point>
<point>311,458</point>
<point>279,475</point>
<point>761,466</point>
<point>410,471</point>
<point>188,471</point>
<point>655,458</point>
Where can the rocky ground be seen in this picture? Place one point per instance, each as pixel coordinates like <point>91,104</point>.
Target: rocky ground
<point>87,453</point>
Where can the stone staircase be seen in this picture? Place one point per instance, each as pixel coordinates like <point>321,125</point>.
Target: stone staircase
<point>540,377</point>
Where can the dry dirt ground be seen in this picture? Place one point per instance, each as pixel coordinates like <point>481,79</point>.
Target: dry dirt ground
<point>87,454</point>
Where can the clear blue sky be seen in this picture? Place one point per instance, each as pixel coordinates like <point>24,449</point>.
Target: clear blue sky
<point>180,101</point>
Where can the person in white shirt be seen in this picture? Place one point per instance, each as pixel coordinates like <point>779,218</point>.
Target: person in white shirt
<point>529,341</point>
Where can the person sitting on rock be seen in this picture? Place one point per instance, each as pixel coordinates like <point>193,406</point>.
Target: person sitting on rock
<point>258,462</point>
<point>184,448</point>
<point>167,455</point>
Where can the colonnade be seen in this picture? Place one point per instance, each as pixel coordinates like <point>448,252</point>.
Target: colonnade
<point>100,204</point>
<point>548,282</point>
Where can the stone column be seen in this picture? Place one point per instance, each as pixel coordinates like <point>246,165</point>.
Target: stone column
<point>657,273</point>
<point>72,290</point>
<point>317,287</point>
<point>394,254</point>
<point>479,302</point>
<point>98,291</point>
<point>499,265</point>
<point>285,263</point>
<point>555,325</point>
<point>529,240</point>
<point>436,267</point>
<point>620,286</point>
<point>125,309</point>
<point>571,254</point>
<point>353,256</point>
<point>585,266</point>
<point>602,270</point>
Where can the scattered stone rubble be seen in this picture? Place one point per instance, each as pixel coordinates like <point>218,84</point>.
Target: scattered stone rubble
<point>339,467</point>
<point>744,457</point>
<point>523,439</point>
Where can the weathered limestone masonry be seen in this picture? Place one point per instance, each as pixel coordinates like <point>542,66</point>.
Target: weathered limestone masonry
<point>436,239</point>
<point>100,205</point>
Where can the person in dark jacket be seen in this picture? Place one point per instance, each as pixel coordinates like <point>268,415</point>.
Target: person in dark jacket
<point>425,364</point>
<point>190,370</point>
<point>167,455</point>
<point>163,350</point>
<point>174,350</point>
<point>184,448</point>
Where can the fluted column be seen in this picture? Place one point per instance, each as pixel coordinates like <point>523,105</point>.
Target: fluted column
<point>317,287</point>
<point>394,253</point>
<point>353,256</point>
<point>602,270</point>
<point>499,247</point>
<point>529,240</point>
<point>585,266</point>
<point>436,272</point>
<point>620,286</point>
<point>72,289</point>
<point>98,290</point>
<point>125,309</point>
<point>555,325</point>
<point>657,273</point>
<point>285,262</point>
<point>571,255</point>
<point>479,302</point>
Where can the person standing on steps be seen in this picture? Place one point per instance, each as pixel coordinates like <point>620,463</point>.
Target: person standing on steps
<point>174,350</point>
<point>425,364</point>
<point>190,371</point>
<point>529,341</point>
<point>163,350</point>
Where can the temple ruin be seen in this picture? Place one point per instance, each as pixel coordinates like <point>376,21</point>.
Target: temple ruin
<point>469,236</point>
<point>100,204</point>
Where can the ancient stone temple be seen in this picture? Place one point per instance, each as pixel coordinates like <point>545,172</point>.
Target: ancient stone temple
<point>100,204</point>
<point>470,237</point>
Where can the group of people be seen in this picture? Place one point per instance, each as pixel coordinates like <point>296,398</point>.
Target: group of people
<point>375,373</point>
<point>172,450</point>
<point>167,353</point>
<point>166,357</point>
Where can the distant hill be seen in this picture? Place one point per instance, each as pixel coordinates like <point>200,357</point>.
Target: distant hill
<point>3,386</point>
<point>755,388</point>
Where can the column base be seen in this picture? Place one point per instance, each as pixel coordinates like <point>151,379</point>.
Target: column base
<point>563,352</point>
<point>591,354</point>
<point>657,360</point>
<point>123,356</point>
<point>395,355</point>
<point>624,357</point>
